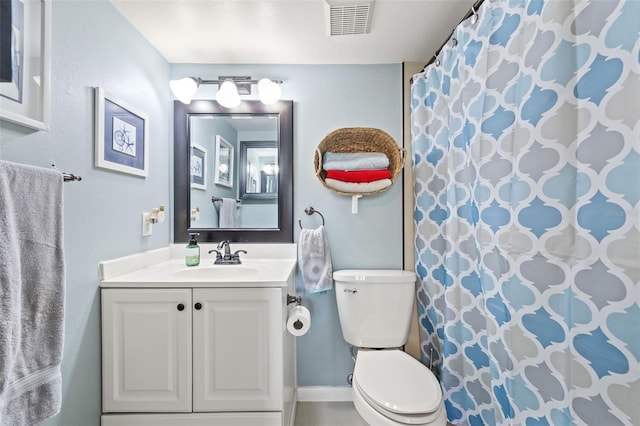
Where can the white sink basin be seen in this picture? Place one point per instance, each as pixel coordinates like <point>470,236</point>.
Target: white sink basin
<point>216,272</point>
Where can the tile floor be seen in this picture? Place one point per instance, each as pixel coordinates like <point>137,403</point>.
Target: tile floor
<point>328,414</point>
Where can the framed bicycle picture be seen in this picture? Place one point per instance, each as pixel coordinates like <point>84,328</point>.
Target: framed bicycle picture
<point>122,139</point>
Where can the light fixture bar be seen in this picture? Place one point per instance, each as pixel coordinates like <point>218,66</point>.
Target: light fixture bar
<point>184,89</point>
<point>222,79</point>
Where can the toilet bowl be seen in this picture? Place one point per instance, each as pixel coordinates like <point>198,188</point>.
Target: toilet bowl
<point>392,388</point>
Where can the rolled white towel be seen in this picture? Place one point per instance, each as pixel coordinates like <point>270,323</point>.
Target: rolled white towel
<point>358,188</point>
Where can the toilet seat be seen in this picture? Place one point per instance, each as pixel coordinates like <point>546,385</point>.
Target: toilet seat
<point>377,415</point>
<point>397,386</point>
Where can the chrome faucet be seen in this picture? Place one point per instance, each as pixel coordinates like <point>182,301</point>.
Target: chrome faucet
<point>225,249</point>
<point>224,256</point>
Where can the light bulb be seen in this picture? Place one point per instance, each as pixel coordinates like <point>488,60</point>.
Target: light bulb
<point>269,91</point>
<point>227,95</point>
<point>184,89</point>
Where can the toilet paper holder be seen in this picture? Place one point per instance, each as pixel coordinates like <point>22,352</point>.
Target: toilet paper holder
<point>294,299</point>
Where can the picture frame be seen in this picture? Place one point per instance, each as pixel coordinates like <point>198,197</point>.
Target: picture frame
<point>199,167</point>
<point>25,98</point>
<point>6,41</point>
<point>223,170</point>
<point>121,136</point>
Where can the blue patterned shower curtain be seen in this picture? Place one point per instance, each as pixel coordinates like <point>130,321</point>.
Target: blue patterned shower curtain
<point>526,152</point>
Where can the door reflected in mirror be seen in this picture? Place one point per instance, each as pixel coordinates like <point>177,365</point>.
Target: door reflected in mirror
<point>259,160</point>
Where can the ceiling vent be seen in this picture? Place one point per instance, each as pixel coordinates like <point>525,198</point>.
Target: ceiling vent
<point>349,17</point>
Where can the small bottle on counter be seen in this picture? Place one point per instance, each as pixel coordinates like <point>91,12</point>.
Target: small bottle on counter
<point>192,253</point>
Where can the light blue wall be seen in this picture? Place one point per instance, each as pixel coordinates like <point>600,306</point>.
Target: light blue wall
<point>327,97</point>
<point>93,45</point>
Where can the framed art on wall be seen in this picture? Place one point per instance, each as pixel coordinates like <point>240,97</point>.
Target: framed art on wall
<point>223,171</point>
<point>6,42</point>
<point>199,167</point>
<point>122,136</point>
<point>24,93</point>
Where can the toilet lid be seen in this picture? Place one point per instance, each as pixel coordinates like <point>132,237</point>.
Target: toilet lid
<point>397,382</point>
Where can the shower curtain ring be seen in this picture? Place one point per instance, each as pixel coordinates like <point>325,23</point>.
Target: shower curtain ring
<point>474,18</point>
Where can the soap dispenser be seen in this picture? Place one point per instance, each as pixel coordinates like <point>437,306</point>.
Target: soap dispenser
<point>192,253</point>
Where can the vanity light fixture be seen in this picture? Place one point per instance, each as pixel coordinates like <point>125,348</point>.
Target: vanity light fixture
<point>227,95</point>
<point>229,89</point>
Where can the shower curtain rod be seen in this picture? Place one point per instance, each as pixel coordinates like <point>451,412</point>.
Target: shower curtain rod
<point>471,12</point>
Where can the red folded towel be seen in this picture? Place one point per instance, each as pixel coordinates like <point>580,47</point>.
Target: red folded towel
<point>358,175</point>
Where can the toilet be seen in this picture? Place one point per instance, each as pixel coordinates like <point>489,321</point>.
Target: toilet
<point>389,387</point>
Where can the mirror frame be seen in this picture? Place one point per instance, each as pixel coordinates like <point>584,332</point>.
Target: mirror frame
<point>242,177</point>
<point>182,176</point>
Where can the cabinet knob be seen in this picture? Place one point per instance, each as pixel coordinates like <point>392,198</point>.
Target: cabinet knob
<point>180,307</point>
<point>198,306</point>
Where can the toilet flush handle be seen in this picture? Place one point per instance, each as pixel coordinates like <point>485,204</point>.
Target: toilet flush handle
<point>351,290</point>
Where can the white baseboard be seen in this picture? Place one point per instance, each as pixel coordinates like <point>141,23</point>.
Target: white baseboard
<point>324,393</point>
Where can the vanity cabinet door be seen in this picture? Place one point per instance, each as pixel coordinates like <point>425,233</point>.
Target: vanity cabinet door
<point>237,346</point>
<point>146,350</point>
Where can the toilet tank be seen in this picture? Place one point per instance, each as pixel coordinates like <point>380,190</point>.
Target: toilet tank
<point>375,306</point>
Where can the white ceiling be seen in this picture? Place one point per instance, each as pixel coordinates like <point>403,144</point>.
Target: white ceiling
<point>290,31</point>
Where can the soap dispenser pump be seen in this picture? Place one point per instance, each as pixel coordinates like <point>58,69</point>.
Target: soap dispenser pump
<point>192,253</point>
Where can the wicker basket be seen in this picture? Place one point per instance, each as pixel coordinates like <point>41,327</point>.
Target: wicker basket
<point>360,139</point>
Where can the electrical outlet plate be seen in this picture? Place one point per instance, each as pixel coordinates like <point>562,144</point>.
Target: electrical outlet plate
<point>146,225</point>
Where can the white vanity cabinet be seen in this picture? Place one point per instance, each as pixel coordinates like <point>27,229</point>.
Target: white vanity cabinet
<point>237,349</point>
<point>146,350</point>
<point>196,353</point>
<point>225,344</point>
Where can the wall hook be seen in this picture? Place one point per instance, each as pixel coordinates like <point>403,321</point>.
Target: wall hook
<point>354,203</point>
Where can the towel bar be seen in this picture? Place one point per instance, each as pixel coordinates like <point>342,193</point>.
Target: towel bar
<point>214,199</point>
<point>68,177</point>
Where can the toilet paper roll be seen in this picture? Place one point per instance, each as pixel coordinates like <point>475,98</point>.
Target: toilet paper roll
<point>299,320</point>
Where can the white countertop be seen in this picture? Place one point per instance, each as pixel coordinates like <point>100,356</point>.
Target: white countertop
<point>264,265</point>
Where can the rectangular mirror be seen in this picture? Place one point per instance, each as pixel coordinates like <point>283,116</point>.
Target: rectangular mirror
<point>243,154</point>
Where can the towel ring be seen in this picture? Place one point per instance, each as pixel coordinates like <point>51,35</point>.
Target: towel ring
<point>309,211</point>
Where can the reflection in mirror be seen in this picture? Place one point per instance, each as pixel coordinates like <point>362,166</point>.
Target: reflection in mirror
<point>259,161</point>
<point>233,170</point>
<point>221,135</point>
<point>224,166</point>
